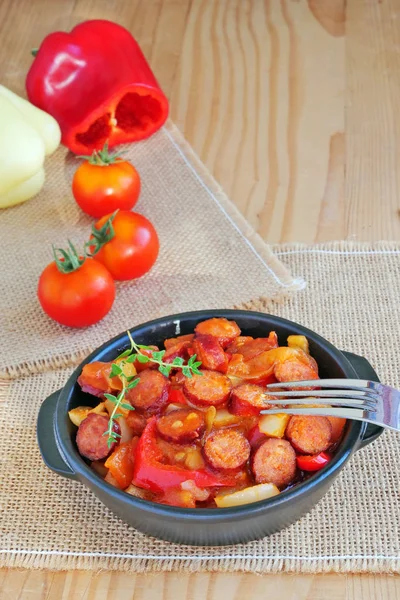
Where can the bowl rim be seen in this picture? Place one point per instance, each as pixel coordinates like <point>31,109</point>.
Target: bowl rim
<point>85,474</point>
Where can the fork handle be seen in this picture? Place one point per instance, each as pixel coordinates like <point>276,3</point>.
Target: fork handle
<point>365,370</point>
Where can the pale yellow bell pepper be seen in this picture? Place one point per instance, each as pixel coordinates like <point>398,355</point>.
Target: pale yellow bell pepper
<point>28,134</point>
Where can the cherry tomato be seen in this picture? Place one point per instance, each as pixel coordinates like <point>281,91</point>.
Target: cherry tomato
<point>78,298</point>
<point>104,183</point>
<point>133,249</point>
<point>313,462</point>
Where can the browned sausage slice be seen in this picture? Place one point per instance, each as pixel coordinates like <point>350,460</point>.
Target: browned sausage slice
<point>169,342</point>
<point>136,422</point>
<point>90,438</point>
<point>180,349</point>
<point>274,462</point>
<point>226,449</point>
<point>151,394</point>
<point>208,389</point>
<point>309,435</point>
<point>222,329</point>
<point>209,351</point>
<point>293,370</point>
<point>248,400</point>
<point>181,426</point>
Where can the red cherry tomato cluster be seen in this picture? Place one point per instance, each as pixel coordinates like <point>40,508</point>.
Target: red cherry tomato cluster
<point>79,291</point>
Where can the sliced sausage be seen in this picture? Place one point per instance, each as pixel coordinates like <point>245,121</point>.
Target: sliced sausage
<point>309,435</point>
<point>253,347</point>
<point>151,394</point>
<point>136,422</point>
<point>168,343</point>
<point>226,449</point>
<point>181,426</point>
<point>225,331</point>
<point>293,370</point>
<point>337,424</point>
<point>95,378</point>
<point>90,438</point>
<point>274,462</point>
<point>248,400</point>
<point>208,389</point>
<point>209,351</point>
<point>180,349</point>
<point>257,369</point>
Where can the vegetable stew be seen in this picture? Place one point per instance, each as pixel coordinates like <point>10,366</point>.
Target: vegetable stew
<point>182,426</point>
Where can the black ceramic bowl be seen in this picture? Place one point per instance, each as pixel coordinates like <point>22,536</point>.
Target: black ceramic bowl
<point>220,526</point>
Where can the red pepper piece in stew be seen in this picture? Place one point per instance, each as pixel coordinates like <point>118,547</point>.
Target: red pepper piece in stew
<point>151,474</point>
<point>314,462</point>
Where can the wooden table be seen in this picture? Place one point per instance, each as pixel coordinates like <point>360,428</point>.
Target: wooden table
<point>292,105</point>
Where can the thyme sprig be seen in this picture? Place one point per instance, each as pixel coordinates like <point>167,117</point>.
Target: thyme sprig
<point>135,352</point>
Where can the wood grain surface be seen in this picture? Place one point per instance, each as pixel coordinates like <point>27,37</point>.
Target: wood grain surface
<point>294,106</point>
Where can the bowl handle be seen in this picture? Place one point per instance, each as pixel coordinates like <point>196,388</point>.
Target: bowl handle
<point>47,439</point>
<point>365,370</point>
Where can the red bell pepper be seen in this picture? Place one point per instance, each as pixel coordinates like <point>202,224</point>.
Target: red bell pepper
<point>255,437</point>
<point>97,84</point>
<point>151,474</point>
<point>313,462</point>
<point>176,396</point>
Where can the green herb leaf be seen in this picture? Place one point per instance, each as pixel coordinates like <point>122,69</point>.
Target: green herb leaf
<point>178,361</point>
<point>127,406</point>
<point>187,372</point>
<point>133,384</point>
<point>131,358</point>
<point>129,382</point>
<point>165,369</point>
<point>142,358</point>
<point>115,370</point>
<point>110,397</point>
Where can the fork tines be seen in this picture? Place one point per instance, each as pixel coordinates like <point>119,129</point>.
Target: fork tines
<point>324,383</point>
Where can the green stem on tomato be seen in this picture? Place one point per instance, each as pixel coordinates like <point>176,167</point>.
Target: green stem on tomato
<point>103,157</point>
<point>70,260</point>
<point>101,236</point>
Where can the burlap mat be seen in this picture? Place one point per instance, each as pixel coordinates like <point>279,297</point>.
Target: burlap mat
<point>209,256</point>
<point>49,522</point>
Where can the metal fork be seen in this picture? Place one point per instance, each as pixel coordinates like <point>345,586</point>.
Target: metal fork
<point>357,399</point>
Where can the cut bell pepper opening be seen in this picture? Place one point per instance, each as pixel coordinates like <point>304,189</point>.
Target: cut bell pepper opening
<point>136,113</point>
